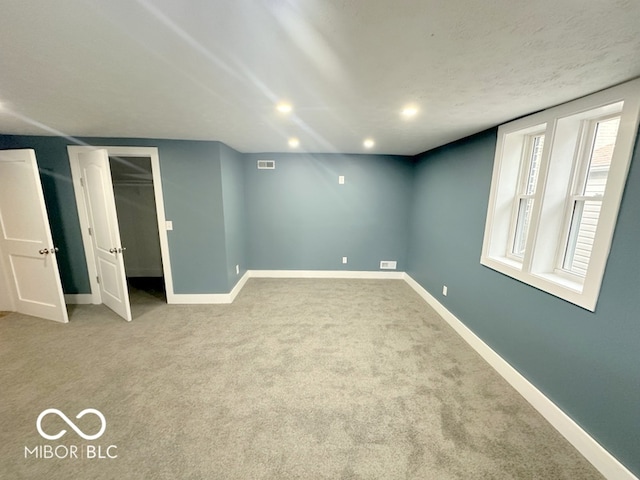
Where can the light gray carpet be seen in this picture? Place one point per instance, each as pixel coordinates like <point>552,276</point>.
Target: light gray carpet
<point>309,379</point>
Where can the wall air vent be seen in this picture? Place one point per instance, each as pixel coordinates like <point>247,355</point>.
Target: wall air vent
<point>388,265</point>
<point>266,164</point>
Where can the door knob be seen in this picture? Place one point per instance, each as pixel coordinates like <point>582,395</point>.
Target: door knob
<point>122,249</point>
<point>43,251</point>
<point>113,250</point>
<point>54,249</point>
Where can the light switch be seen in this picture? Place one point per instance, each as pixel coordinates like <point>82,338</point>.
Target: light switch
<point>169,225</point>
<point>341,179</point>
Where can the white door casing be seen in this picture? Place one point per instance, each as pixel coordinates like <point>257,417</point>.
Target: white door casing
<point>105,235</point>
<point>6,298</point>
<point>29,255</point>
<point>147,152</point>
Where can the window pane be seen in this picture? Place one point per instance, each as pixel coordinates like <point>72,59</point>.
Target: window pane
<point>537,143</point>
<point>522,226</point>
<point>581,236</point>
<point>600,158</point>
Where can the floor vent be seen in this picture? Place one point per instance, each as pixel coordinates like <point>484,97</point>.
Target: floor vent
<point>266,164</point>
<point>388,265</point>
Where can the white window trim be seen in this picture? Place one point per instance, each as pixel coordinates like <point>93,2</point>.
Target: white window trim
<point>495,248</point>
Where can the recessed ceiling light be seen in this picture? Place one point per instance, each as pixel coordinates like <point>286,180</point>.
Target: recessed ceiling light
<point>368,143</point>
<point>294,142</point>
<point>284,107</point>
<point>409,111</point>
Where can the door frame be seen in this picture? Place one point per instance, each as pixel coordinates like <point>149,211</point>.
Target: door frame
<point>146,152</point>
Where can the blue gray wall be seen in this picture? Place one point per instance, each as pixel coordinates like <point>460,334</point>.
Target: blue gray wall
<point>233,195</point>
<point>300,218</point>
<point>586,363</point>
<point>192,187</point>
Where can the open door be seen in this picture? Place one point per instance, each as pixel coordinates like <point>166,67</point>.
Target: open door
<point>105,234</point>
<point>25,242</point>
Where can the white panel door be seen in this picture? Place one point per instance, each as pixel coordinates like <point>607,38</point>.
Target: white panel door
<point>105,235</point>
<point>26,244</point>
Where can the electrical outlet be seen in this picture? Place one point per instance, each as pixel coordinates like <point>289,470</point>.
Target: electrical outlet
<point>341,179</point>
<point>237,269</point>
<point>344,259</point>
<point>444,290</point>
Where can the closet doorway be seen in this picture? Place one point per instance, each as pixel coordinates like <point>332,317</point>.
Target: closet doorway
<point>132,179</point>
<point>130,206</point>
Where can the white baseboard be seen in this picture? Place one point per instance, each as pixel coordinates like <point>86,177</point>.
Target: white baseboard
<point>78,298</point>
<point>367,275</point>
<point>238,286</point>
<point>600,458</point>
<point>208,298</point>
<point>216,298</point>
<point>199,298</point>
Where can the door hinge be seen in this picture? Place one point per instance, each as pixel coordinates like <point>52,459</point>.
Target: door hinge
<point>98,278</point>
<point>81,181</point>
<point>89,231</point>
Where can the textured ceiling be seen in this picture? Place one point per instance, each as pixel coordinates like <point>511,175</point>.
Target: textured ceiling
<point>214,70</point>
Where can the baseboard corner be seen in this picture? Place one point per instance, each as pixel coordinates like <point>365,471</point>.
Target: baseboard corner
<point>237,288</point>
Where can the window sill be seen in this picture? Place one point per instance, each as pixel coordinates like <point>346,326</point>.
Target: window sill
<point>561,281</point>
<point>506,262</point>
<point>551,283</point>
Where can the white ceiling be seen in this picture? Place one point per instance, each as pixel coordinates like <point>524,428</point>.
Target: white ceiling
<point>214,69</point>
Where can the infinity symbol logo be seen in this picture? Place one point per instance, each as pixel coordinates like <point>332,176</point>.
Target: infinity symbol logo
<point>71,424</point>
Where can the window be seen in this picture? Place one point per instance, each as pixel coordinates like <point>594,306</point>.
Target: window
<point>524,201</point>
<point>557,183</point>
<point>588,191</point>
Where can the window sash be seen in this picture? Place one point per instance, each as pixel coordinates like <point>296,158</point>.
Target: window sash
<point>585,152</point>
<point>523,203</point>
<point>521,225</point>
<point>581,234</point>
<point>577,229</point>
